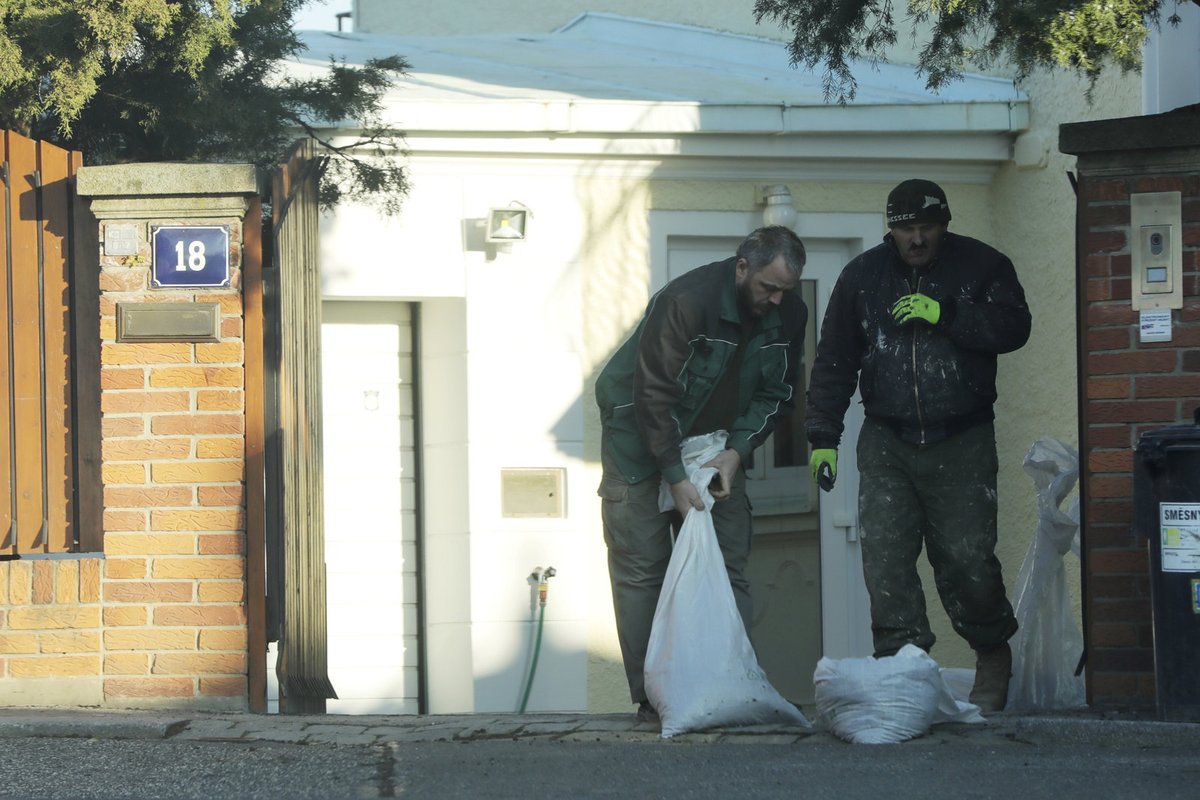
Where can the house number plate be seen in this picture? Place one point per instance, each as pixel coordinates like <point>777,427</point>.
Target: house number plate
<point>189,256</point>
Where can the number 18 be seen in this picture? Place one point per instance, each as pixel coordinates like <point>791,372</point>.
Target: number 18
<point>195,256</point>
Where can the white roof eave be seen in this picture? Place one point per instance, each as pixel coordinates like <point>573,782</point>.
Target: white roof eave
<point>500,117</point>
<point>616,84</point>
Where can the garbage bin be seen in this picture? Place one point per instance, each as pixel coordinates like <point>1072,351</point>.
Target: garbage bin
<point>1166,498</point>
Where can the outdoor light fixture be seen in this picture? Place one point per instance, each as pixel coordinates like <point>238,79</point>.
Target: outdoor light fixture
<point>506,225</point>
<point>779,209</point>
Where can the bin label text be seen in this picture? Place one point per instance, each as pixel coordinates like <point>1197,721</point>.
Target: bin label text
<point>1180,531</point>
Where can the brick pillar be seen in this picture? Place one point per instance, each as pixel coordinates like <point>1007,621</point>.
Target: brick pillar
<point>1128,386</point>
<point>172,588</point>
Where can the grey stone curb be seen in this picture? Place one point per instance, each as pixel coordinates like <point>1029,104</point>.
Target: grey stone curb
<point>85,724</point>
<point>1106,732</point>
<point>393,731</point>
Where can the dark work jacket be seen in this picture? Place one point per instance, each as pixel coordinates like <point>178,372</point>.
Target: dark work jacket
<point>927,382</point>
<point>657,382</point>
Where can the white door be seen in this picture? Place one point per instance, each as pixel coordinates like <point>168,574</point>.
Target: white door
<point>846,617</point>
<point>805,567</point>
<point>370,522</point>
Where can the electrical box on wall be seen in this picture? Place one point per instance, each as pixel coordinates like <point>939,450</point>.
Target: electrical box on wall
<point>1156,249</point>
<point>532,492</point>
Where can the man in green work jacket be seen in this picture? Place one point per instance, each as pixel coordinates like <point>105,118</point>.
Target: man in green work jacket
<point>717,350</point>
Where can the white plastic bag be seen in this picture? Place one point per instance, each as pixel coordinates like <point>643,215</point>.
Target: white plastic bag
<point>701,671</point>
<point>886,700</point>
<point>1048,643</point>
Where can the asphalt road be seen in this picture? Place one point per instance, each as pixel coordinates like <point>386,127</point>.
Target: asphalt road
<point>817,767</point>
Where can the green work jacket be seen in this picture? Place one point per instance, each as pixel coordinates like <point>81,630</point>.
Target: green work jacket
<point>658,381</point>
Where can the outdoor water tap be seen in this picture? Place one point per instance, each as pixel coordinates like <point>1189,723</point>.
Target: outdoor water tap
<point>544,584</point>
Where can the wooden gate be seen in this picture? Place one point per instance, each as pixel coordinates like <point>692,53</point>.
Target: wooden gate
<point>293,495</point>
<point>36,334</point>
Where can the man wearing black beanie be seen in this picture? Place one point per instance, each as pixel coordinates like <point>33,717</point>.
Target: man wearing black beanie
<point>916,323</point>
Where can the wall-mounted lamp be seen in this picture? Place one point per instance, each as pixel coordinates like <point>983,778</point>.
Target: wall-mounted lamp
<point>778,201</point>
<point>506,225</point>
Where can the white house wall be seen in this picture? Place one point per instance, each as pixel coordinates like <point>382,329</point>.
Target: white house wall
<point>502,388</point>
<point>525,411</point>
<point>358,261</point>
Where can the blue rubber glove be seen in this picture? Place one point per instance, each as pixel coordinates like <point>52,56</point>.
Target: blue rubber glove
<point>824,460</point>
<point>917,306</point>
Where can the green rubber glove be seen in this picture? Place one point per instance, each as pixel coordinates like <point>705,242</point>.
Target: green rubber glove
<point>821,457</point>
<point>917,306</point>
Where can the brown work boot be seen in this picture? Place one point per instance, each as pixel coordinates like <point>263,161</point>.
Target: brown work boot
<point>993,668</point>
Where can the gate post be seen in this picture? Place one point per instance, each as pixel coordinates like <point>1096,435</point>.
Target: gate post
<point>174,421</point>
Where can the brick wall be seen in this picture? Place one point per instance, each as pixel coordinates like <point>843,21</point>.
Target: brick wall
<point>1128,387</point>
<point>159,618</point>
<point>174,512</point>
<point>49,620</point>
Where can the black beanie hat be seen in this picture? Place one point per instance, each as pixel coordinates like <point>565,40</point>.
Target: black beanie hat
<point>916,201</point>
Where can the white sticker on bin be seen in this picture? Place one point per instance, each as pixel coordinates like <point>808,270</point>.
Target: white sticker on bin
<point>1180,531</point>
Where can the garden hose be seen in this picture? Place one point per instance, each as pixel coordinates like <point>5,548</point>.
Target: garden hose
<point>543,590</point>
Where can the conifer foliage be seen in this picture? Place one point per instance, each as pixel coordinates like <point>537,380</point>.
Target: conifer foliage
<point>194,80</point>
<point>1085,36</point>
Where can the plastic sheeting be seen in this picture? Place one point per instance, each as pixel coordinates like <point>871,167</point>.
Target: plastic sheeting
<point>1048,643</point>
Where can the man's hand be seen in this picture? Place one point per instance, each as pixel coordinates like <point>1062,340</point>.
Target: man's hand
<point>821,458</point>
<point>917,306</point>
<point>686,497</point>
<point>726,463</point>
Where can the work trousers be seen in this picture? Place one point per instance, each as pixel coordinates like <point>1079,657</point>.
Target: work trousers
<point>639,540</point>
<point>942,496</point>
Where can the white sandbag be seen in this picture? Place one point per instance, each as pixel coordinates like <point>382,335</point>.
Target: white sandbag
<point>952,707</point>
<point>886,700</point>
<point>960,681</point>
<point>701,671</point>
